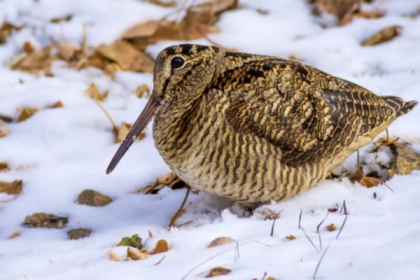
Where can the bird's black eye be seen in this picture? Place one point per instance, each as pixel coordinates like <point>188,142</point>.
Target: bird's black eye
<point>177,62</point>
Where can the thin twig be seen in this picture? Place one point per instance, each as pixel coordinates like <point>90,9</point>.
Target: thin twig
<point>300,217</point>
<point>184,224</point>
<point>106,113</point>
<point>265,275</point>
<point>237,250</point>
<point>320,260</point>
<point>172,223</point>
<point>317,228</point>
<point>344,207</point>
<point>309,239</point>
<point>382,181</point>
<point>274,221</point>
<point>160,260</point>
<point>387,138</point>
<point>345,219</point>
<point>203,262</point>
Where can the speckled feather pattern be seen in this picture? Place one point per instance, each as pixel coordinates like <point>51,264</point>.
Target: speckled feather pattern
<point>255,128</point>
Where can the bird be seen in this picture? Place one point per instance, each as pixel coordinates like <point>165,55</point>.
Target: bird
<point>255,128</point>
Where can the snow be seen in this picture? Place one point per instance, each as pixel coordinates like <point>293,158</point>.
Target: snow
<point>60,152</point>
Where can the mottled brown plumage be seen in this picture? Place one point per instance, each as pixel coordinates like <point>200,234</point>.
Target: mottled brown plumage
<point>256,128</point>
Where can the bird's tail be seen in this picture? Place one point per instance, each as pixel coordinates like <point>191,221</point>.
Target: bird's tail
<point>400,107</point>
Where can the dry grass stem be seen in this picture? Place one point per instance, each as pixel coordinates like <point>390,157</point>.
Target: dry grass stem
<point>309,239</point>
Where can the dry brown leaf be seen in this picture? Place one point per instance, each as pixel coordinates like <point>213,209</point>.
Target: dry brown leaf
<point>150,234</point>
<point>357,13</point>
<point>166,4</point>
<point>290,237</point>
<point>4,166</point>
<point>46,220</point>
<point>331,227</point>
<point>36,61</point>
<point>28,47</point>
<point>272,216</point>
<point>369,180</point>
<point>75,234</point>
<point>127,56</point>
<point>14,187</point>
<point>160,247</point>
<point>93,92</point>
<point>114,257</point>
<point>221,241</point>
<point>6,119</point>
<point>14,235</point>
<point>6,29</point>
<point>93,198</point>
<point>141,90</point>
<point>332,210</point>
<point>169,180</point>
<point>405,159</point>
<point>135,254</point>
<point>271,278</point>
<point>26,113</point>
<point>123,131</point>
<point>57,104</point>
<point>383,36</point>
<point>143,29</point>
<point>69,52</point>
<point>217,271</point>
<point>112,68</point>
<point>337,8</point>
<point>61,19</point>
<point>4,132</point>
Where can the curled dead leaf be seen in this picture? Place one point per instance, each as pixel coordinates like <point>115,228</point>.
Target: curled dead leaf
<point>93,198</point>
<point>135,254</point>
<point>127,56</point>
<point>4,132</point>
<point>331,227</point>
<point>383,36</point>
<point>14,235</point>
<point>290,237</point>
<point>217,271</point>
<point>57,104</point>
<point>141,90</point>
<point>93,92</point>
<point>28,47</point>
<point>6,29</point>
<point>6,119</point>
<point>160,247</point>
<point>46,220</point>
<point>35,61</point>
<point>69,52</point>
<point>13,188</point>
<point>114,257</point>
<point>26,113</point>
<point>4,166</point>
<point>221,241</point>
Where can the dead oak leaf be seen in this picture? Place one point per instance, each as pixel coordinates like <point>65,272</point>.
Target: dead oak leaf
<point>331,227</point>
<point>160,247</point>
<point>26,113</point>
<point>127,56</point>
<point>217,271</point>
<point>383,36</point>
<point>13,188</point>
<point>290,237</point>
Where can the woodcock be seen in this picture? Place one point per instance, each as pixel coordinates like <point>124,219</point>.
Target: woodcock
<point>255,128</point>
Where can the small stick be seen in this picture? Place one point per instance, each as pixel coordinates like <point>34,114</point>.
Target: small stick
<point>106,113</point>
<point>382,181</point>
<point>274,221</point>
<point>300,217</point>
<point>160,260</point>
<point>344,207</point>
<point>320,260</point>
<point>265,275</point>
<point>345,219</point>
<point>184,224</point>
<point>172,223</point>
<point>310,240</point>
<point>237,250</point>
<point>317,228</point>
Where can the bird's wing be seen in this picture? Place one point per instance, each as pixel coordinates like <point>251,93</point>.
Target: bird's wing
<point>308,114</point>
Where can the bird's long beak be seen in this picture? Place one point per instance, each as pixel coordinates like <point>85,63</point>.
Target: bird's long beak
<point>149,111</point>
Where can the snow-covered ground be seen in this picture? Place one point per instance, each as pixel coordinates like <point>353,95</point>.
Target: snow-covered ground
<point>60,152</point>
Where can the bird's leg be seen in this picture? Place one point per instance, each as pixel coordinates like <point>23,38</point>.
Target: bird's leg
<point>358,159</point>
<point>178,213</point>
